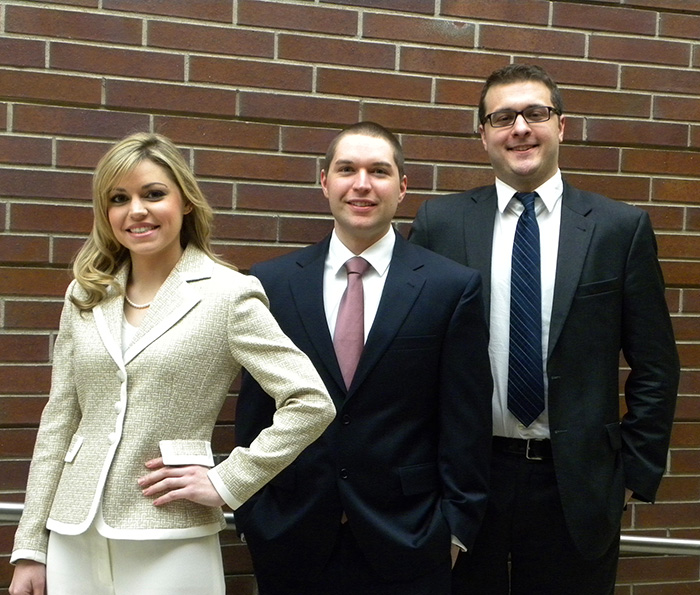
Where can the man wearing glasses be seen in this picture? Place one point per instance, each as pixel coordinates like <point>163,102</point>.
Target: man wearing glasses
<point>571,280</point>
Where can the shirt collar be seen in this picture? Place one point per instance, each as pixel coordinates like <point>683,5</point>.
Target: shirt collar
<point>378,254</point>
<point>549,192</point>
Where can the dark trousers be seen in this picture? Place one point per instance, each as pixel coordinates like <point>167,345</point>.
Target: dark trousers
<point>523,546</point>
<point>349,573</point>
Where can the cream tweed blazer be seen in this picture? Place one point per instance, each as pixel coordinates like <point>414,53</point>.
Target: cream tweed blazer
<point>109,412</point>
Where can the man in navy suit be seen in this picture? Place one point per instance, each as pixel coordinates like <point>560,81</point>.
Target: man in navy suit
<point>382,503</point>
<point>560,481</point>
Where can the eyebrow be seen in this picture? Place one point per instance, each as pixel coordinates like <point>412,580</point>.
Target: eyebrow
<point>374,164</point>
<point>120,189</point>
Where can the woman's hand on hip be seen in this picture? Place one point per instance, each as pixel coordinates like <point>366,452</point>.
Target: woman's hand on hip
<point>29,578</point>
<point>186,482</point>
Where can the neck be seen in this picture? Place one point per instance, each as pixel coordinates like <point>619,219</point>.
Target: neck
<point>148,273</point>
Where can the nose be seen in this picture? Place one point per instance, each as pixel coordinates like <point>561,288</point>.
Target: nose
<point>520,126</point>
<point>137,208</point>
<point>362,179</point>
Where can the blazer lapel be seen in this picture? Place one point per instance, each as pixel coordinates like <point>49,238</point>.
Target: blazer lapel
<point>173,301</point>
<point>402,287</point>
<point>307,291</point>
<point>574,239</point>
<point>478,217</point>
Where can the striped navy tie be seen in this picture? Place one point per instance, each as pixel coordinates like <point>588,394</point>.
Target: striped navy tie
<point>525,374</point>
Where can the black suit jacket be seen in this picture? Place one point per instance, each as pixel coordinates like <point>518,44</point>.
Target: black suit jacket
<point>608,297</point>
<point>407,456</point>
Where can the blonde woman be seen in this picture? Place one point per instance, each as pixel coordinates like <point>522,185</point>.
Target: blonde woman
<point>123,495</point>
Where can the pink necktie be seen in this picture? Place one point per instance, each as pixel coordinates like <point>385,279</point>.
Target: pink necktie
<point>349,336</point>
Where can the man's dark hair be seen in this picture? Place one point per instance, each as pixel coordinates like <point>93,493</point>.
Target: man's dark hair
<point>368,129</point>
<point>518,73</point>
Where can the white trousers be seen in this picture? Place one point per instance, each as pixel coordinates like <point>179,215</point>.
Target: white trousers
<point>90,564</point>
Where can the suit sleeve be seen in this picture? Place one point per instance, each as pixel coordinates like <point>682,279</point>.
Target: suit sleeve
<point>650,350</point>
<point>466,388</point>
<point>303,407</point>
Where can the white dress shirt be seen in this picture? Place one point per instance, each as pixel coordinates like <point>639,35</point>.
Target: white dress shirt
<point>335,277</point>
<point>548,210</point>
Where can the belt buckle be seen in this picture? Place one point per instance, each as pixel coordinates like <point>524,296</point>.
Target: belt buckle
<point>528,456</point>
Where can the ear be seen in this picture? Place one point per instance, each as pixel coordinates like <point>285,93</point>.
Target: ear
<point>403,187</point>
<point>188,209</point>
<point>482,133</point>
<point>324,183</point>
<point>562,122</point>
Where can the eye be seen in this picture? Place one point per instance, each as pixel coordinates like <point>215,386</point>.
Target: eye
<point>155,194</point>
<point>118,199</point>
<point>504,117</point>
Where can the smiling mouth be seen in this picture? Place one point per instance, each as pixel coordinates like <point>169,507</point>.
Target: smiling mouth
<point>360,203</point>
<point>140,230</point>
<point>522,149</point>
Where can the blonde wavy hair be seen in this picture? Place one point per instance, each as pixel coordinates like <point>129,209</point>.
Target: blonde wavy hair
<point>101,256</point>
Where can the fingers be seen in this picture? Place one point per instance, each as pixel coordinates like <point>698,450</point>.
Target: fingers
<point>189,482</point>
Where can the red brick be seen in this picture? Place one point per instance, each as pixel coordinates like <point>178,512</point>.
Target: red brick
<point>589,158</point>
<point>679,489</point>
<point>660,162</point>
<point>419,176</point>
<point>245,256</point>
<point>443,148</point>
<point>176,98</point>
<point>219,194</point>
<point>691,303</point>
<point>14,475</point>
<point>336,51</point>
<point>45,184</point>
<point>297,109</point>
<point>668,589</point>
<point>85,154</point>
<point>76,121</point>
<point>684,25</point>
<point>577,72</point>
<point>457,92</point>
<point>585,101</point>
<point>49,218</point>
<point>614,186</point>
<point>680,5</point>
<point>249,73</point>
<point>676,108</point>
<point>410,118</point>
<point>218,133</point>
<point>685,435</point>
<point>637,132</point>
<point>659,568</point>
<point>218,40</point>
<point>668,218</point>
<point>661,80</point>
<point>373,84</point>
<point>535,12</point>
<point>419,30</point>
<point>34,281</point>
<point>676,190</point>
<point>254,166</point>
<point>297,139</point>
<point>211,10</point>
<point>84,3</point>
<point>276,15</point>
<point>688,408</point>
<point>603,18</point>
<point>32,315</point>
<point>634,49</point>
<point>677,246</point>
<point>71,90</point>
<point>693,220</point>
<point>65,249</point>
<point>17,443</point>
<point>22,52</point>
<point>540,41</point>
<point>682,274</point>
<point>3,115</point>
<point>420,6</point>
<point>682,462</point>
<point>25,380</point>
<point>25,150</point>
<point>450,62</point>
<point>138,64</point>
<point>18,249</point>
<point>689,354</point>
<point>304,230</point>
<point>278,198</point>
<point>245,227</point>
<point>24,348</point>
<point>458,179</point>
<point>73,25</point>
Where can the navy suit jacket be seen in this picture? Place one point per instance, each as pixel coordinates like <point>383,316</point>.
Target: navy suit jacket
<point>407,456</point>
<point>608,298</point>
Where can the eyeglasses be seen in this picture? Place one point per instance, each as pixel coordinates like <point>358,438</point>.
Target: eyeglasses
<point>532,115</point>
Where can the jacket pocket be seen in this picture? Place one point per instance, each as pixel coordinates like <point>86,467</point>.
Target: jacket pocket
<point>418,479</point>
<point>186,452</point>
<point>75,443</point>
<point>599,287</point>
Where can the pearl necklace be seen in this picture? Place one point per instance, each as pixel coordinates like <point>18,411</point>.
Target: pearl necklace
<point>137,306</point>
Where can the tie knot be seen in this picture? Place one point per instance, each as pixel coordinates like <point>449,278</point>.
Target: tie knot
<point>528,199</point>
<point>357,264</point>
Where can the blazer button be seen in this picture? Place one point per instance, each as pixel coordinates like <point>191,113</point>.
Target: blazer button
<point>112,438</point>
<point>346,419</point>
<point>121,375</point>
<point>343,474</point>
<point>118,407</point>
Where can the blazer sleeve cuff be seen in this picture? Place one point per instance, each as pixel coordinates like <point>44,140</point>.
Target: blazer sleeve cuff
<point>34,555</point>
<point>224,492</point>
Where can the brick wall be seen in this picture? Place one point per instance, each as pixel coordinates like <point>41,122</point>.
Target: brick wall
<point>253,90</point>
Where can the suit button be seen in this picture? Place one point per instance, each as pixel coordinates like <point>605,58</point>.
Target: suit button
<point>343,474</point>
<point>118,407</point>
<point>112,438</point>
<point>121,376</point>
<point>346,419</point>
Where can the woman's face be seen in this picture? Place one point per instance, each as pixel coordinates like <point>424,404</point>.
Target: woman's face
<point>145,210</point>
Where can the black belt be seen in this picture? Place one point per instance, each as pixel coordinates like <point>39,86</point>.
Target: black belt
<point>533,450</point>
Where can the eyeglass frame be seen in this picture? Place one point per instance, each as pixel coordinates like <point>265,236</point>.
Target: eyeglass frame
<point>550,109</point>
